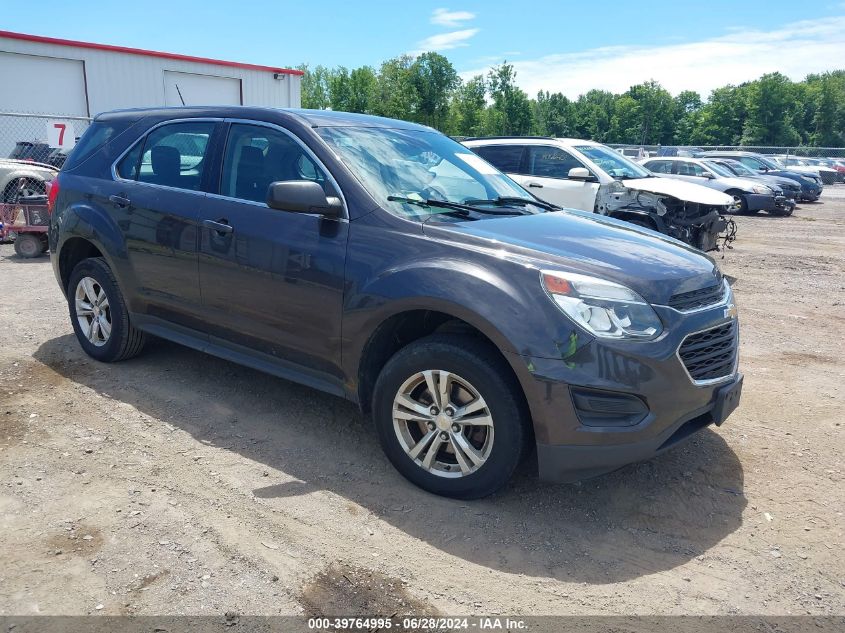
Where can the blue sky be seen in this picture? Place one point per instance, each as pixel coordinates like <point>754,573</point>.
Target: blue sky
<point>561,46</point>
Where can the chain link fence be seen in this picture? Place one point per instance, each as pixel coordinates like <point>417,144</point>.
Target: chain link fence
<point>40,138</point>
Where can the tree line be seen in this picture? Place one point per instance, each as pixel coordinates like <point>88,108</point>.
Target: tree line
<point>772,110</point>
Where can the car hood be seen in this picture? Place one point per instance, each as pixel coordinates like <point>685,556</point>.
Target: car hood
<point>680,189</point>
<point>654,265</point>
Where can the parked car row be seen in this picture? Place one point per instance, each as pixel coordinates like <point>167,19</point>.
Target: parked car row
<point>749,194</point>
<point>591,177</point>
<point>383,262</point>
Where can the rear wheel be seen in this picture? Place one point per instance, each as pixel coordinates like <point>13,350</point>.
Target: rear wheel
<point>28,245</point>
<point>450,416</point>
<point>99,315</point>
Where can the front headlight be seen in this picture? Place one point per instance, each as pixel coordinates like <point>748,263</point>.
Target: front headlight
<point>760,189</point>
<point>603,308</point>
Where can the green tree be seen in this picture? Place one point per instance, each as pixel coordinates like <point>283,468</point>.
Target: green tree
<point>511,108</point>
<point>467,107</point>
<point>433,78</point>
<point>768,121</point>
<point>315,87</point>
<point>396,96</point>
<point>688,106</point>
<point>363,86</point>
<point>592,115</point>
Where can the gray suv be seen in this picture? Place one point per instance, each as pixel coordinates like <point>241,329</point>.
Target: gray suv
<point>382,262</point>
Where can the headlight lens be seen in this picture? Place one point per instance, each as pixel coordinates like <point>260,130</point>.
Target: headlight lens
<point>760,189</point>
<point>603,308</point>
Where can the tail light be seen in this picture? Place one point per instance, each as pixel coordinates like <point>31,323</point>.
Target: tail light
<point>52,193</point>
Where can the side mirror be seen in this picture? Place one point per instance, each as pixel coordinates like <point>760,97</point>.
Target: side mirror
<point>302,196</point>
<point>579,173</point>
<point>708,175</point>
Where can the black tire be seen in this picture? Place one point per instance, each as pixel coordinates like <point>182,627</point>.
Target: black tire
<point>125,340</point>
<point>477,362</point>
<point>28,245</point>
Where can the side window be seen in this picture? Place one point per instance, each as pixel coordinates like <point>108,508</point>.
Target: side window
<point>750,162</point>
<point>505,158</point>
<point>659,166</point>
<point>173,156</point>
<point>551,162</point>
<point>257,156</point>
<point>128,167</point>
<point>690,169</point>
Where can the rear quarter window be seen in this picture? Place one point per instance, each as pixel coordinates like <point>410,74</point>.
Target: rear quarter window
<point>98,134</point>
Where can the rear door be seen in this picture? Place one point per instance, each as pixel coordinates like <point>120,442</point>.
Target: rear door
<point>271,280</point>
<point>158,198</point>
<point>549,167</point>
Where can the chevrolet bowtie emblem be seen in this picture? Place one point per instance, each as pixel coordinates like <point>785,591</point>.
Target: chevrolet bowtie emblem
<point>731,312</point>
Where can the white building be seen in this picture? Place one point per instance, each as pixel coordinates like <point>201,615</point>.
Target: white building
<point>70,80</point>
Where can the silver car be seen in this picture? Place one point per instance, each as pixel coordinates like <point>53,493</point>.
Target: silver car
<point>749,196</point>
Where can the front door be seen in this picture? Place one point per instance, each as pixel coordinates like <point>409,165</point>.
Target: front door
<point>549,167</point>
<point>271,280</point>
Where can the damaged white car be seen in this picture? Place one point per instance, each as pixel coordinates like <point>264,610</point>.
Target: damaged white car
<point>592,177</point>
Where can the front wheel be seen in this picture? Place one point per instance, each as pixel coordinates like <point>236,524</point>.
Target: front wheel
<point>99,315</point>
<point>450,416</point>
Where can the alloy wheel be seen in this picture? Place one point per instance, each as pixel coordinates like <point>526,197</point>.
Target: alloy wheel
<point>443,424</point>
<point>92,311</point>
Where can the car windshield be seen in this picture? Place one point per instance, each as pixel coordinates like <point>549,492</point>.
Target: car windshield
<point>405,169</point>
<point>771,164</point>
<point>718,169</point>
<point>616,165</point>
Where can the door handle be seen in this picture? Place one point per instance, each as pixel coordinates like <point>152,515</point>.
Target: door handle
<point>536,185</point>
<point>119,201</point>
<point>220,225</point>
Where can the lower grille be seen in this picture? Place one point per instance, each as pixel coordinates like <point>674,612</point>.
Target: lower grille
<point>697,298</point>
<point>711,354</point>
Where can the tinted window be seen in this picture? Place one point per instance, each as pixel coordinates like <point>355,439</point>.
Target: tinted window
<point>98,134</point>
<point>256,156</point>
<point>551,162</point>
<point>174,155</point>
<point>753,163</point>
<point>506,158</point>
<point>689,169</point>
<point>660,166</point>
<point>128,166</point>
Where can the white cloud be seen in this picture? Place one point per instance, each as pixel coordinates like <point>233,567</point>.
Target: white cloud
<point>445,41</point>
<point>802,48</point>
<point>450,19</point>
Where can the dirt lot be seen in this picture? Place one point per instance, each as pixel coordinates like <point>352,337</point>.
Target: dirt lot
<point>177,483</point>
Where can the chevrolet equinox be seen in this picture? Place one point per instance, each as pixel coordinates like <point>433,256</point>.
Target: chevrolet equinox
<point>382,262</point>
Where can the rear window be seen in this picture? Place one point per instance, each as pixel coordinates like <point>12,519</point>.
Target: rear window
<point>96,136</point>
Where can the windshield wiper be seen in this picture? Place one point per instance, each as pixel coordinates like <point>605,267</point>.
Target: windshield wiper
<point>459,209</point>
<point>504,201</point>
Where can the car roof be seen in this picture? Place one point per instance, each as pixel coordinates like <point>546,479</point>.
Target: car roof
<point>313,118</point>
<point>528,140</point>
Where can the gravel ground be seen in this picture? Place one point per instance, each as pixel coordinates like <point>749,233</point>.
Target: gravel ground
<point>177,483</point>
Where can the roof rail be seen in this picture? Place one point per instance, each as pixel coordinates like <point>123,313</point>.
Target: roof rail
<point>499,138</point>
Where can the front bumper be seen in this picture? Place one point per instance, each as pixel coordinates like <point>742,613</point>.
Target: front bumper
<point>652,371</point>
<point>811,192</point>
<point>566,464</point>
<point>760,201</point>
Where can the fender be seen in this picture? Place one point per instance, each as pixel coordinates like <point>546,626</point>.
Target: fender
<point>499,309</point>
<point>82,219</point>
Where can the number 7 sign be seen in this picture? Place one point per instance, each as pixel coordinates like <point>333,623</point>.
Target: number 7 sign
<point>60,134</point>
